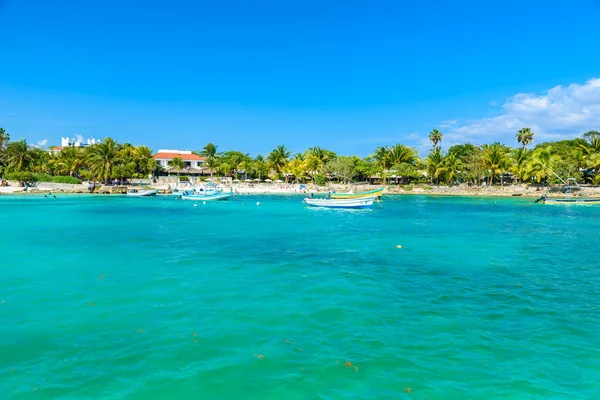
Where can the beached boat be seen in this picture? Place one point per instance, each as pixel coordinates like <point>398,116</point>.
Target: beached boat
<point>570,186</point>
<point>350,195</point>
<point>142,193</point>
<point>207,197</point>
<point>364,202</point>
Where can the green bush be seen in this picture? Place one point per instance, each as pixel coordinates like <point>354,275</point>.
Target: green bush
<point>66,179</point>
<point>407,188</point>
<point>319,179</point>
<point>184,179</point>
<point>427,187</point>
<point>20,176</point>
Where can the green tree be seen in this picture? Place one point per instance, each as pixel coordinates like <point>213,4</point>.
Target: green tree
<point>435,137</point>
<point>435,165</point>
<point>18,155</point>
<point>210,152</point>
<point>343,167</point>
<point>102,158</point>
<point>495,159</point>
<point>541,162</point>
<point>400,153</point>
<point>260,167</point>
<point>383,160</point>
<point>177,164</point>
<point>524,137</point>
<point>298,168</point>
<point>278,158</point>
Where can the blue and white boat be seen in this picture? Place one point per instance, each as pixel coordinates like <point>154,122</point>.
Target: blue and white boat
<point>363,202</point>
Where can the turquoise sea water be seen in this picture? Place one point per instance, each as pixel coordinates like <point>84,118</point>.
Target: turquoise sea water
<point>107,297</point>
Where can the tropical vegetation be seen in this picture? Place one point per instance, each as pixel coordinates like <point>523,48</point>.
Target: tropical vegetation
<point>492,164</point>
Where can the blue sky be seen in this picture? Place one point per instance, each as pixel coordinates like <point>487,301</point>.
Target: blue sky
<point>344,75</point>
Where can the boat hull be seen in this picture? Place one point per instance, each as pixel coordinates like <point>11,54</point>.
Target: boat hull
<point>573,201</point>
<point>341,203</point>
<point>213,197</point>
<point>144,193</point>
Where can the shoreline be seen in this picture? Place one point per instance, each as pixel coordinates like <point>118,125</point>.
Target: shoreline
<point>294,189</point>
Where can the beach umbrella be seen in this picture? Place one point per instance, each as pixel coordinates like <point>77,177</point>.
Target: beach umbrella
<point>279,181</point>
<point>268,180</point>
<point>248,180</point>
<point>236,180</point>
<point>256,180</point>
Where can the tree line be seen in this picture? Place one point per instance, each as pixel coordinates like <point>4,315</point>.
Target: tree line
<point>494,163</point>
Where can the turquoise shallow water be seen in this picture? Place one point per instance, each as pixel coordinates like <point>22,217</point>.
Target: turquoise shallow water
<point>119,298</point>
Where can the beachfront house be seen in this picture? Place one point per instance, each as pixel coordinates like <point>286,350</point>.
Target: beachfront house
<point>194,164</point>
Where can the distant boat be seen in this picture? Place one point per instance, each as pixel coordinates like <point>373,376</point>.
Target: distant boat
<point>572,200</point>
<point>363,202</point>
<point>207,197</point>
<point>570,184</point>
<point>369,193</point>
<point>141,193</point>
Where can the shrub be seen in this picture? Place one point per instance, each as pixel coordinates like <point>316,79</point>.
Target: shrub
<point>66,179</point>
<point>407,188</point>
<point>20,176</point>
<point>426,187</point>
<point>184,179</point>
<point>319,179</point>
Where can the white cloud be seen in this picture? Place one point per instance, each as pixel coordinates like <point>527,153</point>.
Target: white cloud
<point>448,123</point>
<point>560,113</point>
<point>40,144</point>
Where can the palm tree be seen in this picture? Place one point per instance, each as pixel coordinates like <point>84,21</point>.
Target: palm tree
<point>142,156</point>
<point>382,160</point>
<point>520,164</point>
<point>210,152</point>
<point>102,158</point>
<point>435,137</point>
<point>298,168</point>
<point>451,166</point>
<point>495,159</point>
<point>540,162</point>
<point>400,154</point>
<point>524,137</point>
<point>435,165</point>
<point>278,158</point>
<point>260,166</point>
<point>321,156</point>
<point>18,154</point>
<point>178,164</point>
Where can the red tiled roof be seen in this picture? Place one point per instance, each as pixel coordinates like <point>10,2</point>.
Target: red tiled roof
<point>57,148</point>
<point>184,157</point>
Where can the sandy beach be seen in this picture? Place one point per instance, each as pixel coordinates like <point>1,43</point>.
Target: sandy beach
<point>292,188</point>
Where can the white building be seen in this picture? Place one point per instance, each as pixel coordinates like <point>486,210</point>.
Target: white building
<point>193,163</point>
<point>76,141</point>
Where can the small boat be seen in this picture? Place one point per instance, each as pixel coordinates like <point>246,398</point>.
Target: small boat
<point>363,202</point>
<point>350,195</point>
<point>572,200</point>
<point>570,185</point>
<point>207,197</point>
<point>142,193</point>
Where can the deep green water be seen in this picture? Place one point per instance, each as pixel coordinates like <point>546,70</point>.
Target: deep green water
<point>107,297</point>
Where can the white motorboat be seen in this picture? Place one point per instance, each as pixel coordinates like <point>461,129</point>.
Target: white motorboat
<point>142,193</point>
<point>207,197</point>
